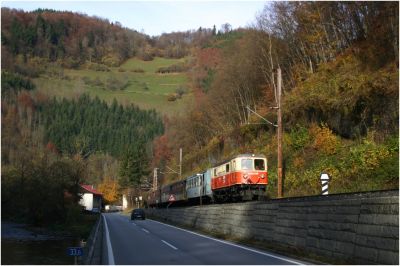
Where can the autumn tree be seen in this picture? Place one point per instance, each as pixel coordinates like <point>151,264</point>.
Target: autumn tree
<point>109,188</point>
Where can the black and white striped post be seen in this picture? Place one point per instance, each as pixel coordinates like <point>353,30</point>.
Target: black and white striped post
<point>324,181</point>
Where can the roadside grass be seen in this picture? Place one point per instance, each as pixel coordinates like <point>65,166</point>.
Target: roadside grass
<point>79,229</point>
<point>147,90</point>
<point>83,228</point>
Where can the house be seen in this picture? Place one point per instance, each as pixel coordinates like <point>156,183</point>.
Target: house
<point>91,198</point>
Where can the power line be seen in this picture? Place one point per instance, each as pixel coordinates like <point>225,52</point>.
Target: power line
<point>266,120</point>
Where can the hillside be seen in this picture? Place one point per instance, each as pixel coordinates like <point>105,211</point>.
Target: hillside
<point>82,101</point>
<point>340,105</point>
<point>135,81</point>
<point>77,54</point>
<point>70,37</point>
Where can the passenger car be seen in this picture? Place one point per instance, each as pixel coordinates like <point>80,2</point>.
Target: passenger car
<point>138,214</point>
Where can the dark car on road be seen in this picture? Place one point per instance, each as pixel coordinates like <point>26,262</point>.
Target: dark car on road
<point>138,214</point>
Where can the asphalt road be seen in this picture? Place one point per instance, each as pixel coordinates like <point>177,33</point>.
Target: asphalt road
<point>151,242</point>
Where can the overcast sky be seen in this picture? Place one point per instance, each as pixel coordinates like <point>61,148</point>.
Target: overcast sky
<point>157,17</point>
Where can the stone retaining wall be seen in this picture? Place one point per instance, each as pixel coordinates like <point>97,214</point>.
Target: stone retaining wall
<point>358,228</point>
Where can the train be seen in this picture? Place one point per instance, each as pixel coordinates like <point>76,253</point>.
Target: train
<point>242,177</point>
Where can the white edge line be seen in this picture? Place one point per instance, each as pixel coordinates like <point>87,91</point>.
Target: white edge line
<point>166,243</point>
<point>109,247</point>
<point>145,230</point>
<point>231,244</point>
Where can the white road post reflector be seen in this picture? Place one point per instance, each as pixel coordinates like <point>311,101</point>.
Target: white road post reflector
<point>324,181</point>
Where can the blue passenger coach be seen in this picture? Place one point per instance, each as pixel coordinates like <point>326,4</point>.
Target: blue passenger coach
<point>199,185</point>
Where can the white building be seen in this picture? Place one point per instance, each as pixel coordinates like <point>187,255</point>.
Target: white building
<point>124,202</point>
<point>91,198</point>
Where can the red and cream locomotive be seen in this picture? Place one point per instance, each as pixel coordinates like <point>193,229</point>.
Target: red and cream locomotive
<point>243,177</point>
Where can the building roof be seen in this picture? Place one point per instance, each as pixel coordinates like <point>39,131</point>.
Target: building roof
<point>90,189</point>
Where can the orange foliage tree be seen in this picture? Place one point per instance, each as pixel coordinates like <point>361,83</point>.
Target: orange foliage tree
<point>109,188</point>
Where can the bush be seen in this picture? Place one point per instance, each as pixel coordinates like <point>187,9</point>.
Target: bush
<point>137,70</point>
<point>324,139</point>
<point>116,84</point>
<point>180,91</point>
<point>177,68</point>
<point>55,70</point>
<point>298,138</point>
<point>70,63</point>
<point>86,80</point>
<point>98,67</point>
<point>93,82</point>
<point>172,97</point>
<point>98,82</point>
<point>146,57</point>
<point>74,214</point>
<point>28,70</point>
<point>111,60</point>
<point>13,83</point>
<point>144,86</point>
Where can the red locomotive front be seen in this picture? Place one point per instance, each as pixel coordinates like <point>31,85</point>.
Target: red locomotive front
<point>243,177</point>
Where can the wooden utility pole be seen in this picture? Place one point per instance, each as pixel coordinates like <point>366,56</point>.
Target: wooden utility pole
<point>180,163</point>
<point>155,179</point>
<point>279,134</point>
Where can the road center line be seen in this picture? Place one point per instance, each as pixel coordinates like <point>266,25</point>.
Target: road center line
<point>168,244</point>
<point>231,244</point>
<point>109,247</point>
<point>145,230</point>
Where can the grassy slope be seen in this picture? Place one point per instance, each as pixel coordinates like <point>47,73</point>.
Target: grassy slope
<point>155,96</point>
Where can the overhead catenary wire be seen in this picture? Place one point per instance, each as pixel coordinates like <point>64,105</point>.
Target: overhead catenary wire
<point>266,120</point>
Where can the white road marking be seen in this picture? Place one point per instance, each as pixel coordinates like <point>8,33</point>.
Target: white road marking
<point>134,224</point>
<point>109,247</point>
<point>166,243</point>
<point>231,244</point>
<point>145,230</point>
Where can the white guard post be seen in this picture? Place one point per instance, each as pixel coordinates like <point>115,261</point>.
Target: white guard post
<point>324,180</point>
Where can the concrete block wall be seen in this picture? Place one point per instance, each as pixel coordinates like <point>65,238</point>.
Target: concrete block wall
<point>360,228</point>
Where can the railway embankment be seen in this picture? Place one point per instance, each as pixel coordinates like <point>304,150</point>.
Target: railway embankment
<point>356,228</point>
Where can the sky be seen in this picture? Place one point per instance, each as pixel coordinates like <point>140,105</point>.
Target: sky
<point>157,17</point>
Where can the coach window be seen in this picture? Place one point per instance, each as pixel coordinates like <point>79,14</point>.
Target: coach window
<point>259,164</point>
<point>234,166</point>
<point>215,171</point>
<point>247,164</point>
<point>227,168</point>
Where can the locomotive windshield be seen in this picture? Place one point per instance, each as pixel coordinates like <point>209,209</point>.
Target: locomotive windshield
<point>259,164</point>
<point>249,164</point>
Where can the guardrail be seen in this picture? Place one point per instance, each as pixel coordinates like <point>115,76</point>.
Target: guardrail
<point>92,250</point>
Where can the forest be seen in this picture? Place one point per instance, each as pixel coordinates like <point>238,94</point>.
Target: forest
<point>340,102</point>
<point>340,97</point>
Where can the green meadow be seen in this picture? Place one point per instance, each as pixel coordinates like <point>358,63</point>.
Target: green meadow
<point>135,81</point>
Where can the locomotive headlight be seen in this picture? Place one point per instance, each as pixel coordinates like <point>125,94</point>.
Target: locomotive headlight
<point>262,176</point>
